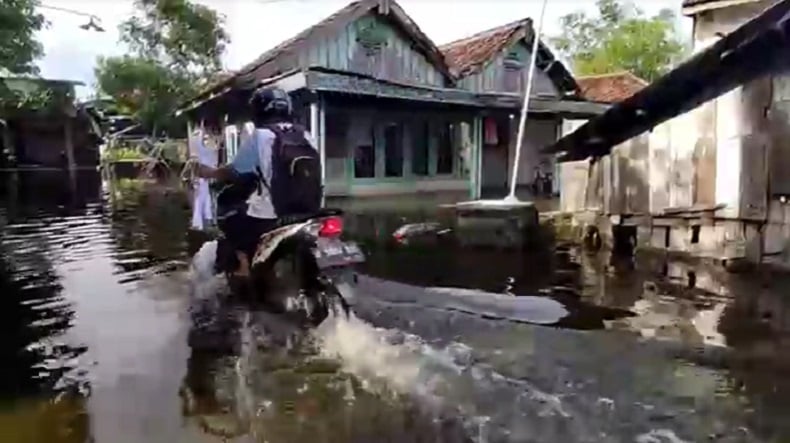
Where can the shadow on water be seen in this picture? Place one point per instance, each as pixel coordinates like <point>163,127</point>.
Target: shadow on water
<point>101,338</point>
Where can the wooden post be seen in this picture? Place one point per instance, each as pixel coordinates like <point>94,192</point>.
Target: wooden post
<point>317,121</point>
<point>477,156</point>
<point>68,137</point>
<point>7,143</point>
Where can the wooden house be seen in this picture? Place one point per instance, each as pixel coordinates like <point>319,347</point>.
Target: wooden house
<point>696,162</point>
<point>395,114</point>
<point>61,136</point>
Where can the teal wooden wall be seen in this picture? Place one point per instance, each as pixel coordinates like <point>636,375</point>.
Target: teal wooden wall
<point>388,54</point>
<point>492,77</point>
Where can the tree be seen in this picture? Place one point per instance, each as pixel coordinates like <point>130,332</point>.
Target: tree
<point>620,38</point>
<point>176,47</point>
<point>19,50</point>
<point>19,23</point>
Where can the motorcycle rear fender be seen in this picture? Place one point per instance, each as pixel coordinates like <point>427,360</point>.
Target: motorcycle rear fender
<point>269,241</point>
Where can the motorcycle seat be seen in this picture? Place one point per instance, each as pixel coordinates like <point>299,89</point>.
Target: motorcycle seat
<point>300,218</point>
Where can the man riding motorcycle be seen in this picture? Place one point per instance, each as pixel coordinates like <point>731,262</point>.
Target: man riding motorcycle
<point>265,174</point>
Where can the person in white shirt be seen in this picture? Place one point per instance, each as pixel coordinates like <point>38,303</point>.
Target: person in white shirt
<point>254,213</point>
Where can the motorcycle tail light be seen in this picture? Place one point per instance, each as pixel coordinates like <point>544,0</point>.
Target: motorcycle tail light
<point>331,227</point>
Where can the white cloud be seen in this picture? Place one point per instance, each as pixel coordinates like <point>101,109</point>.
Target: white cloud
<point>257,25</point>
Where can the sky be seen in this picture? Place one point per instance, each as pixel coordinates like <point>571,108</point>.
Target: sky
<point>257,25</point>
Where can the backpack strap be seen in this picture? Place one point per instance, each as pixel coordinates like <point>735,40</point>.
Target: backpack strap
<point>275,147</point>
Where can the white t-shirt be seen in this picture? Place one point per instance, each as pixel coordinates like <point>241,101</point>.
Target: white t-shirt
<point>260,143</point>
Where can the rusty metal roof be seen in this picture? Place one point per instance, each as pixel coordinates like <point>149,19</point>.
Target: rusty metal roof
<point>470,54</point>
<point>610,88</point>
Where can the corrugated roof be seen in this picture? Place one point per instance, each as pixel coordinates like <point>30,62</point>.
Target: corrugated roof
<point>610,88</point>
<point>470,54</point>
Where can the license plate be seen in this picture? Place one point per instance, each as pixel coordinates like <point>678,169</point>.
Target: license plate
<point>337,253</point>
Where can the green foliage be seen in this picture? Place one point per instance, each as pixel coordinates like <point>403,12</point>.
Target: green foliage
<point>19,23</point>
<point>620,38</point>
<point>122,153</point>
<point>176,46</point>
<point>19,50</point>
<point>144,89</point>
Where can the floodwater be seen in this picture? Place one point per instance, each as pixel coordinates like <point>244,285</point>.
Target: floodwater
<point>107,337</point>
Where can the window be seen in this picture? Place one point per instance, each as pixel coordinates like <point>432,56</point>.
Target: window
<point>444,154</point>
<point>419,149</point>
<point>364,161</point>
<point>513,77</point>
<point>393,150</point>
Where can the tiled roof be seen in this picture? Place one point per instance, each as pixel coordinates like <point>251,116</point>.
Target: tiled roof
<point>610,88</point>
<point>470,54</point>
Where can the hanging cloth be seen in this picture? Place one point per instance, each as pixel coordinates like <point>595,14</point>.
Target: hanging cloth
<point>202,209</point>
<point>491,136</point>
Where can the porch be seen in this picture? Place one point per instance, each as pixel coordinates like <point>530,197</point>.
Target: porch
<point>380,137</point>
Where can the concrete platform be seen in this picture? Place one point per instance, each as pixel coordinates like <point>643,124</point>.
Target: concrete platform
<point>494,223</point>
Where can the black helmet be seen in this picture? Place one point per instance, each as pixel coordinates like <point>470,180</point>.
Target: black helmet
<point>270,102</point>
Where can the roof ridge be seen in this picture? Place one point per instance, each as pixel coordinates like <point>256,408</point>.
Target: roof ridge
<point>272,52</point>
<point>482,33</point>
<point>613,74</point>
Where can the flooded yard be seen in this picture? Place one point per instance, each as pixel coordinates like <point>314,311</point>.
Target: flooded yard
<point>106,338</point>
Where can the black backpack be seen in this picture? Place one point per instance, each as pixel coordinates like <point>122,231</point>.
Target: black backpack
<point>295,186</point>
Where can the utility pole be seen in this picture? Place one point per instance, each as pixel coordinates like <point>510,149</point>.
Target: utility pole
<point>525,109</point>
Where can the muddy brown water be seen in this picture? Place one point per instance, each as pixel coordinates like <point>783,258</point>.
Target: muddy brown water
<point>107,338</point>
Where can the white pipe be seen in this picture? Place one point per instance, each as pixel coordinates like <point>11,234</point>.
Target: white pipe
<point>525,108</point>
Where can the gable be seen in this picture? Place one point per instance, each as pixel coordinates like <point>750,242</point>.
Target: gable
<point>373,45</point>
<point>508,71</point>
<point>394,47</point>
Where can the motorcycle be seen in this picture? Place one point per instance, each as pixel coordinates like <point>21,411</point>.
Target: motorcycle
<point>301,268</point>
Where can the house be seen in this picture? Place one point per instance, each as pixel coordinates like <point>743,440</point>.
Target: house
<point>395,114</point>
<point>610,88</point>
<point>57,134</point>
<point>697,161</point>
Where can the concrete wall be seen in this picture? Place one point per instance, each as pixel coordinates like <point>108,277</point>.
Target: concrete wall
<point>733,151</point>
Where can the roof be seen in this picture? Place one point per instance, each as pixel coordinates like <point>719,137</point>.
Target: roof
<point>692,7</point>
<point>269,64</point>
<point>356,85</point>
<point>34,79</point>
<point>472,54</point>
<point>755,49</point>
<point>610,88</point>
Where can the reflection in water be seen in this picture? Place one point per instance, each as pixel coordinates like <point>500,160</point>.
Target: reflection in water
<point>42,385</point>
<point>681,351</point>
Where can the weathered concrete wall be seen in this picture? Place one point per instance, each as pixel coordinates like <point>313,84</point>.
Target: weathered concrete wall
<point>732,152</point>
<point>574,179</point>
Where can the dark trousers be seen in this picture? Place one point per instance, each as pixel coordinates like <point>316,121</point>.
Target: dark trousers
<point>243,231</point>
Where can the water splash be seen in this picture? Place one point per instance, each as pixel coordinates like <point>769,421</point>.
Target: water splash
<point>445,380</point>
